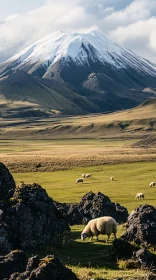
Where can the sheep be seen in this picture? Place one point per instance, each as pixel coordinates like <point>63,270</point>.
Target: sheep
<point>88,176</point>
<point>111,178</point>
<point>104,225</point>
<point>85,176</point>
<point>80,180</point>
<point>139,196</point>
<point>152,184</point>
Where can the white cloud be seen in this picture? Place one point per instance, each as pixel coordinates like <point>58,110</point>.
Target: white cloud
<point>11,17</point>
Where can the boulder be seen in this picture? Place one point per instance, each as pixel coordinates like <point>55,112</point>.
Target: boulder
<point>7,183</point>
<point>92,206</point>
<point>13,262</point>
<point>141,226</point>
<point>145,258</point>
<point>122,249</point>
<point>30,220</point>
<point>16,266</point>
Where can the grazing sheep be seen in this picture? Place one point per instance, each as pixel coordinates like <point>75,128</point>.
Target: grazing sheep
<point>139,196</point>
<point>88,176</point>
<point>80,180</point>
<point>152,184</point>
<point>104,225</point>
<point>111,178</point>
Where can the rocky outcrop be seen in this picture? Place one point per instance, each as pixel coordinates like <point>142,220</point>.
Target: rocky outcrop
<point>122,249</point>
<point>145,259</point>
<point>16,266</point>
<point>126,251</point>
<point>13,262</point>
<point>7,184</point>
<point>141,225</point>
<point>92,206</point>
<point>29,220</point>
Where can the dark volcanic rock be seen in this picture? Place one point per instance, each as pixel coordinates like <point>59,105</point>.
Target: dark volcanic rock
<point>122,249</point>
<point>16,266</point>
<point>141,226</point>
<point>13,262</point>
<point>145,258</point>
<point>92,206</point>
<point>30,220</point>
<point>7,184</point>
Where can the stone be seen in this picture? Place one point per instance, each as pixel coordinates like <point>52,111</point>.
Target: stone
<point>30,220</point>
<point>122,249</point>
<point>145,258</point>
<point>92,206</point>
<point>13,262</point>
<point>16,266</point>
<point>141,226</point>
<point>7,183</point>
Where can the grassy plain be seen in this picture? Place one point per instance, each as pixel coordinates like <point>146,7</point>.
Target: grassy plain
<point>51,155</point>
<point>105,150</point>
<point>92,260</point>
<point>129,179</point>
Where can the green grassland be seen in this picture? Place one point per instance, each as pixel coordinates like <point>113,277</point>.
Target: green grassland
<point>129,179</point>
<point>93,259</point>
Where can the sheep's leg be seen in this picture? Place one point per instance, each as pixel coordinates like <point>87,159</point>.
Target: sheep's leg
<point>97,239</point>
<point>108,238</point>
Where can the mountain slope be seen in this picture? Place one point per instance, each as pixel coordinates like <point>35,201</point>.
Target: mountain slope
<point>48,95</point>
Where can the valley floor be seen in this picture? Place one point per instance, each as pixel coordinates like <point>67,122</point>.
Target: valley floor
<point>133,168</point>
<point>52,155</point>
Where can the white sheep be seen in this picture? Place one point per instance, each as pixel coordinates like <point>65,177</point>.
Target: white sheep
<point>104,225</point>
<point>152,184</point>
<point>139,196</point>
<point>80,180</point>
<point>111,178</point>
<point>88,175</point>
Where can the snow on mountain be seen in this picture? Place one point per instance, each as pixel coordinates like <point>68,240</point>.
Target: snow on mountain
<point>81,49</point>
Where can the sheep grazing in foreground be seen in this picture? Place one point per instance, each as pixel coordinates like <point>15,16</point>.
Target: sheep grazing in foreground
<point>104,225</point>
<point>139,196</point>
<point>111,178</point>
<point>80,180</point>
<point>152,184</point>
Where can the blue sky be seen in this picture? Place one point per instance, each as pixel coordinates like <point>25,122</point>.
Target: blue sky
<point>9,7</point>
<point>131,23</point>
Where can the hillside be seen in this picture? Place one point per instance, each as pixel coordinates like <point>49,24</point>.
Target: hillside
<point>54,98</point>
<point>49,96</point>
<point>133,123</point>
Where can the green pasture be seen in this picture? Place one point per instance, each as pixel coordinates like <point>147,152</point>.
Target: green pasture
<point>129,179</point>
<point>92,260</point>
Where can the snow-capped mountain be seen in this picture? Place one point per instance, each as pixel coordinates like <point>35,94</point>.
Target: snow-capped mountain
<point>81,50</point>
<point>89,62</point>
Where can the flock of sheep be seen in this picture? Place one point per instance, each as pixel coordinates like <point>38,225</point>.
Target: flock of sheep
<point>103,225</point>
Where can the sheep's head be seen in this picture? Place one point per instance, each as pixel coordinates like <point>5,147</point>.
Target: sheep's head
<point>83,236</point>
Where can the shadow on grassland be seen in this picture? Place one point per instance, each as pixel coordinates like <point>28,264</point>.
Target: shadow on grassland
<point>87,253</point>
